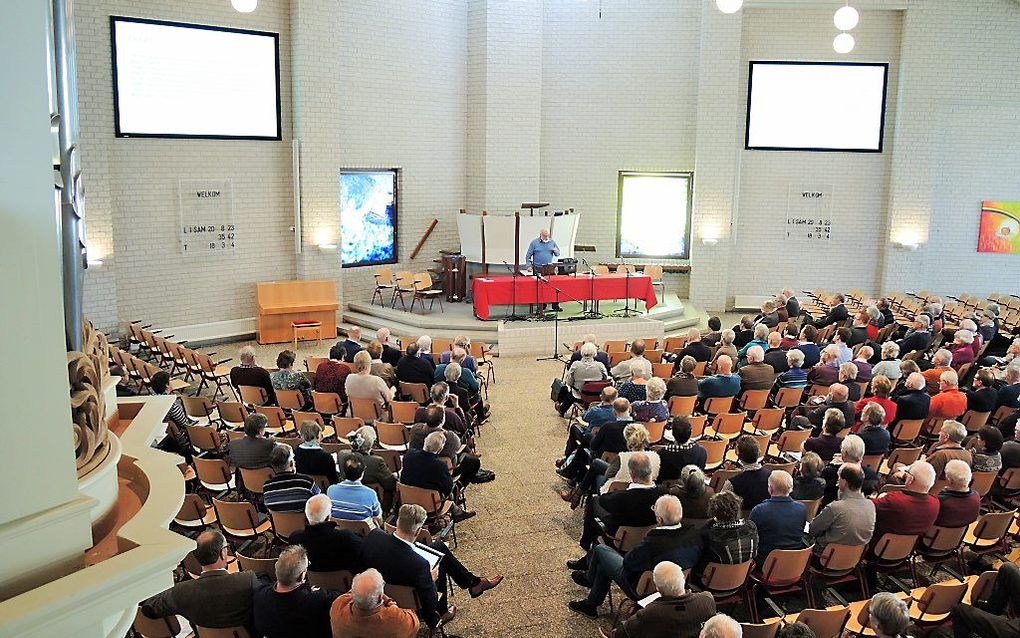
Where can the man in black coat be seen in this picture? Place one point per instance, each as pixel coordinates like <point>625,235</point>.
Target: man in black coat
<point>292,608</point>
<point>413,369</point>
<point>668,541</point>
<point>630,507</point>
<point>919,338</point>
<point>913,403</point>
<point>330,549</point>
<point>426,469</point>
<point>837,312</point>
<point>352,345</point>
<point>600,355</point>
<point>390,354</point>
<point>216,599</point>
<point>396,558</point>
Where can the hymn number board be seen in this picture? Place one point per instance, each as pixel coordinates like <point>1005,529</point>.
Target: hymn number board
<point>207,217</point>
<point>809,214</point>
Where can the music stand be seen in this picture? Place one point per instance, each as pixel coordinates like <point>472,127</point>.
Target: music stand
<point>627,311</point>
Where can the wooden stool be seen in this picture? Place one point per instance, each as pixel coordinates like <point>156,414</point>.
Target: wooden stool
<point>302,326</point>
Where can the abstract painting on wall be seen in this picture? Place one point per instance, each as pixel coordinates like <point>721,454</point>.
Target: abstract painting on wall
<point>368,217</point>
<point>1000,228</point>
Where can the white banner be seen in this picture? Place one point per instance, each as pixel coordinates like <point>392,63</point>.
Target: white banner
<point>207,216</point>
<point>809,214</point>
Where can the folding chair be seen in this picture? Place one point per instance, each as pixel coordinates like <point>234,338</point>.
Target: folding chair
<point>682,406</point>
<point>727,425</point>
<point>201,409</point>
<point>825,623</point>
<point>290,400</point>
<point>403,411</point>
<point>240,520</point>
<point>232,414</point>
<point>383,283</point>
<point>892,552</point>
<point>728,583</point>
<point>366,409</point>
<point>393,436</point>
<point>717,405</point>
<point>417,392</point>
<point>935,604</point>
<point>789,441</point>
<point>782,573</point>
<point>840,564</point>
<point>423,290</point>
<point>403,286</point>
<point>941,544</point>
<point>327,403</point>
<point>344,425</point>
<point>787,398</point>
<point>716,449</point>
<point>195,513</point>
<point>753,400</point>
<point>253,395</point>
<point>987,535</point>
<point>214,474</point>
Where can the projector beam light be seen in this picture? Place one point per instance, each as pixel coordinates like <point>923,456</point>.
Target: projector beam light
<point>846,18</point>
<point>244,6</point>
<point>843,43</point>
<point>729,6</point>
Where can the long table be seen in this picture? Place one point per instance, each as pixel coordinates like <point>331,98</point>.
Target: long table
<point>498,291</point>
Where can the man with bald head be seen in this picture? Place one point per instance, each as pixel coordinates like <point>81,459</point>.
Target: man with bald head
<point>678,613</point>
<point>329,548</point>
<point>948,447</point>
<point>367,612</point>
<point>390,354</point>
<point>780,519</point>
<point>723,383</point>
<point>914,401</point>
<point>775,355</point>
<point>812,415</point>
<point>670,540</point>
<point>623,370</point>
<point>918,337</point>
<point>959,505</point>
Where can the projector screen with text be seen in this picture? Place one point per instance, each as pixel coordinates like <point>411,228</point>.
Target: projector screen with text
<point>185,80</point>
<point>816,106</point>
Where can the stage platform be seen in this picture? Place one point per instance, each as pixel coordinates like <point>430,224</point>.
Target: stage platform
<point>670,316</point>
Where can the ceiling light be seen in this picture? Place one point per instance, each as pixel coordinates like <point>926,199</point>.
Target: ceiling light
<point>843,43</point>
<point>846,18</point>
<point>729,6</point>
<point>245,6</point>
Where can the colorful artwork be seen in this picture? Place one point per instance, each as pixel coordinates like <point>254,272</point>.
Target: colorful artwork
<point>1000,228</point>
<point>368,217</point>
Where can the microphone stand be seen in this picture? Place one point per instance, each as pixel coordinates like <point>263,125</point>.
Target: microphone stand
<point>538,313</point>
<point>555,356</point>
<point>513,316</point>
<point>593,312</point>
<point>626,310</point>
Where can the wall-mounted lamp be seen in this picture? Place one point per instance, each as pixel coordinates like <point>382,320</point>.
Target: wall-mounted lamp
<point>327,248</point>
<point>709,241</point>
<point>908,245</point>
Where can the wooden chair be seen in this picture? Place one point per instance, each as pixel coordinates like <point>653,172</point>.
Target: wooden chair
<point>627,537</point>
<point>682,406</point>
<point>874,461</point>
<point>674,343</point>
<point>327,403</point>
<point>392,459</point>
<point>285,524</point>
<point>616,358</point>
<point>811,508</point>
<point>766,421</point>
<point>615,346</point>
<point>393,436</point>
<point>214,474</point>
<point>338,581</point>
<point>366,409</point>
<point>825,623</point>
<point>278,423</point>
<point>789,441</point>
<point>195,513</point>
<point>982,482</point>
<point>434,504</point>
<point>423,290</point>
<point>655,431</point>
<point>817,390</point>
<point>728,583</point>
<point>716,450</point>
<point>787,398</point>
<point>840,564</point>
<point>699,369</point>
<point>767,629</point>
<point>719,478</point>
<point>232,413</point>
<point>383,283</point>
<point>361,528</point>
<point>901,455</point>
<point>662,370</point>
<point>987,534</point>
<point>165,627</point>
<point>974,421</point>
<point>253,395</point>
<point>403,411</point>
<point>290,400</point>
<point>892,552</point>
<point>417,392</point>
<point>202,409</point>
<point>344,425</point>
<point>782,573</point>
<point>935,604</point>
<point>404,286</point>
<point>727,425</point>
<point>761,439</point>
<point>312,363</point>
<point>254,479</point>
<point>753,400</point>
<point>261,566</point>
<point>717,405</point>
<point>240,520</point>
<point>941,544</point>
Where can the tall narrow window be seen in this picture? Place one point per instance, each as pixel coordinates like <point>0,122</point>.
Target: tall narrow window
<point>654,215</point>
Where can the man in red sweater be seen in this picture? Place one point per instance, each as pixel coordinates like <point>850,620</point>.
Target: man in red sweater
<point>949,403</point>
<point>911,511</point>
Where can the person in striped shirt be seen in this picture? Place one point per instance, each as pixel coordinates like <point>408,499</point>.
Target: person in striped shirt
<point>353,501</point>
<point>287,491</point>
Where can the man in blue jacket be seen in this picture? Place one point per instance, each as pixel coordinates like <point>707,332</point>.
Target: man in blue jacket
<point>780,519</point>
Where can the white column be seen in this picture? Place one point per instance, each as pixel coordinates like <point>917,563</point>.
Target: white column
<point>44,523</point>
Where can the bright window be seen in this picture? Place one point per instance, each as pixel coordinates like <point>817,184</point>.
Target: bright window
<point>654,215</point>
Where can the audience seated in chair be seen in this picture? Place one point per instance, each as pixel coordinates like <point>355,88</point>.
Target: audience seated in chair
<point>248,373</point>
<point>681,452</point>
<point>714,335</point>
<point>634,388</point>
<point>414,369</point>
<point>439,393</point>
<point>755,374</point>
<point>775,355</point>
<point>654,406</point>
<point>390,354</point>
<point>807,345</point>
<point>809,485</point>
<point>310,458</point>
<point>827,370</point>
<point>683,383</point>
<point>464,344</point>
<point>851,450</point>
<point>176,440</point>
<point>694,493</point>
<point>352,344</point>
<point>426,469</point>
<point>580,372</point>
<point>253,449</point>
<point>827,443</point>
<point>728,538</point>
<point>329,548</point>
<point>949,403</point>
<point>367,612</point>
<point>623,370</point>
<point>364,385</point>
<point>376,471</point>
<point>848,520</point>
<point>882,388</point>
<point>580,433</point>
<point>752,483</point>
<point>694,348</point>
<point>986,447</point>
<point>379,367</point>
<point>988,617</point>
<point>811,415</point>
<point>913,401</point>
<point>393,555</point>
<point>959,505</point>
<point>888,616</point>
<point>941,362</point>
<point>216,599</point>
<point>889,366</point>
<point>600,355</point>
<point>779,519</point>
<point>353,501</point>
<point>332,373</point>
<point>723,383</point>
<point>677,613</point>
<point>949,446</point>
<point>908,511</point>
<point>287,378</point>
<point>721,626</point>
<point>761,335</point>
<point>291,608</point>
<point>286,490</point>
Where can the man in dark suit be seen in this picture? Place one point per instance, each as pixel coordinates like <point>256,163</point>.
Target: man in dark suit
<point>814,413</point>
<point>390,354</point>
<point>632,506</point>
<point>919,338</point>
<point>695,347</point>
<point>913,403</point>
<point>756,374</point>
<point>248,373</point>
<point>413,369</point>
<point>792,303</point>
<point>352,345</point>
<point>330,549</point>
<point>425,468</point>
<point>668,541</point>
<point>291,608</point>
<point>744,332</point>
<point>600,355</point>
<point>215,599</point>
<point>253,449</point>
<point>395,557</point>
<point>837,312</point>
<point>775,356</point>
<point>677,614</point>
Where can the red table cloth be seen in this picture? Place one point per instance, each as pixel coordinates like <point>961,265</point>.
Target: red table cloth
<point>498,291</point>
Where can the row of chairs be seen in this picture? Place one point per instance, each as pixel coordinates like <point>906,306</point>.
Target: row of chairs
<point>418,286</point>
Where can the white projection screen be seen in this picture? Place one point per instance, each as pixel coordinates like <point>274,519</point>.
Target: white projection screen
<point>816,106</point>
<point>178,80</point>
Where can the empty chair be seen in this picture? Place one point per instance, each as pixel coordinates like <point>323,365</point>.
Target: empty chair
<point>290,400</point>
<point>825,623</point>
<point>393,436</point>
<point>232,413</point>
<point>937,601</point>
<point>344,425</point>
<point>327,403</point>
<point>195,513</point>
<point>892,552</point>
<point>840,564</point>
<point>782,573</point>
<point>788,397</point>
<point>789,441</point>
<point>240,519</point>
<point>682,406</point>
<point>202,409</point>
<point>366,409</point>
<point>278,423</point>
<point>254,478</point>
<point>214,474</point>
<point>727,425</point>
<point>417,392</point>
<point>988,533</point>
<point>253,395</point>
<point>262,566</point>
<point>403,411</point>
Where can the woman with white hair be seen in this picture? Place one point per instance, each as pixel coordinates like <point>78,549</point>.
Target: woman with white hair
<point>579,373</point>
<point>376,471</point>
<point>364,385</point>
<point>726,346</point>
<point>962,348</point>
<point>636,436</point>
<point>654,407</point>
<point>889,366</point>
<point>847,375</point>
<point>888,616</point>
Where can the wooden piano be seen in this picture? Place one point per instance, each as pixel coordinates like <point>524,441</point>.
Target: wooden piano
<point>282,302</point>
